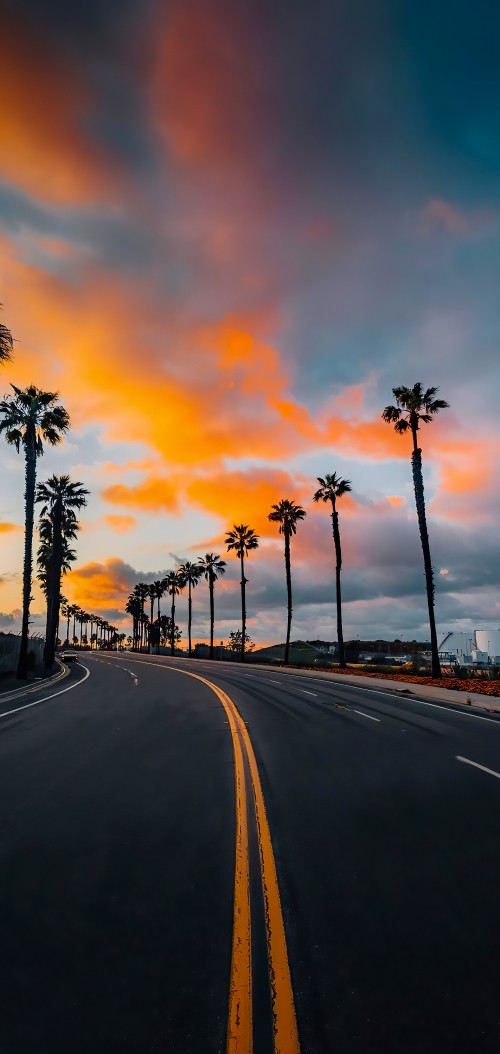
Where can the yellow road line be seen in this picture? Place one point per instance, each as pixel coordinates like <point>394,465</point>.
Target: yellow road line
<point>286,1040</point>
<point>239,1037</point>
<point>239,1026</point>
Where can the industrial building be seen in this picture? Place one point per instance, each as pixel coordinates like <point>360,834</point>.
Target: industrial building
<point>480,647</point>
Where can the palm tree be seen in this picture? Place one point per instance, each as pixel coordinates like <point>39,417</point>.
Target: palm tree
<point>6,343</point>
<point>288,515</point>
<point>212,567</point>
<point>61,498</point>
<point>331,488</point>
<point>141,591</point>
<point>66,614</point>
<point>28,418</point>
<point>173,584</point>
<point>152,598</point>
<point>242,540</point>
<point>157,590</point>
<point>133,608</point>
<point>190,575</point>
<point>413,406</point>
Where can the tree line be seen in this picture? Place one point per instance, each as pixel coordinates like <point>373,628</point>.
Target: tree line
<point>413,407</point>
<point>29,420</point>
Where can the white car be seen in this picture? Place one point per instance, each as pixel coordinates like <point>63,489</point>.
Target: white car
<point>69,656</point>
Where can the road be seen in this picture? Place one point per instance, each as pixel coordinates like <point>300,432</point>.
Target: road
<point>144,907</point>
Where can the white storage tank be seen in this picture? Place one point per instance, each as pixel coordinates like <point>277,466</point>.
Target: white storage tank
<point>489,640</point>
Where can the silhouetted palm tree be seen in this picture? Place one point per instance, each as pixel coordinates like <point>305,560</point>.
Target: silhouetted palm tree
<point>158,589</point>
<point>29,418</point>
<point>413,406</point>
<point>60,499</point>
<point>174,585</point>
<point>287,514</point>
<point>331,488</point>
<point>133,608</point>
<point>6,343</point>
<point>242,539</point>
<point>141,591</point>
<point>190,575</point>
<point>212,567</point>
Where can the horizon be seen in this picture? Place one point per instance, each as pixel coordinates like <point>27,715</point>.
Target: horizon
<point>225,295</point>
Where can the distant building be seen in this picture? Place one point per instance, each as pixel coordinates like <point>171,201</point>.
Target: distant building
<point>478,647</point>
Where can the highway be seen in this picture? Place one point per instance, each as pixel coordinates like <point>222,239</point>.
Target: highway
<point>245,860</point>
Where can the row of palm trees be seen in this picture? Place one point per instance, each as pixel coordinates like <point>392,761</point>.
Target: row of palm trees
<point>105,634</point>
<point>414,407</point>
<point>30,419</point>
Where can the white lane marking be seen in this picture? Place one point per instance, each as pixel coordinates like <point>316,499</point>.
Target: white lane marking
<point>304,690</point>
<point>47,697</point>
<point>369,716</point>
<point>483,768</point>
<point>420,702</point>
<point>273,682</point>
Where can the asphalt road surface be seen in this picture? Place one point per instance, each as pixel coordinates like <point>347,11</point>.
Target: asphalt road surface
<point>275,864</point>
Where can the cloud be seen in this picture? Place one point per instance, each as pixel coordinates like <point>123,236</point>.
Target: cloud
<point>152,494</point>
<point>247,497</point>
<point>441,214</point>
<point>44,102</point>
<point>122,524</point>
<point>8,528</point>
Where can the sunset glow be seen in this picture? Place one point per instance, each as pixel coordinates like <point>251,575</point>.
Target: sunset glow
<point>223,242</point>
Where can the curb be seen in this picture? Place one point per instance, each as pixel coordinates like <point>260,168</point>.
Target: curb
<point>44,682</point>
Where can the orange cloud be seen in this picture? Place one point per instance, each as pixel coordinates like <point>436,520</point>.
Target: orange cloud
<point>8,528</point>
<point>122,524</point>
<point>100,586</point>
<point>155,495</point>
<point>44,149</point>
<point>247,497</point>
<point>396,500</point>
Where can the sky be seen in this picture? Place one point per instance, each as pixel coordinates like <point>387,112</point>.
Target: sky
<point>227,229</point>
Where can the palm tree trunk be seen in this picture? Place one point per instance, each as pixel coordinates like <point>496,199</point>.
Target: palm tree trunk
<point>189,619</point>
<point>29,500</point>
<point>158,645</point>
<point>67,631</point>
<point>338,568</point>
<point>418,485</point>
<point>243,607</point>
<point>172,628</point>
<point>289,594</point>
<point>151,625</point>
<point>212,615</point>
<point>53,591</point>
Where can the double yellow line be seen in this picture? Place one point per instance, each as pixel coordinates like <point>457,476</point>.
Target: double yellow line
<point>239,1031</point>
<point>239,1028</point>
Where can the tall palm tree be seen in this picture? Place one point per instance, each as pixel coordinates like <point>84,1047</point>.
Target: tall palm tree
<point>331,488</point>
<point>288,515</point>
<point>212,567</point>
<point>6,343</point>
<point>158,590</point>
<point>66,614</point>
<point>133,608</point>
<point>190,575</point>
<point>151,598</point>
<point>414,406</point>
<point>141,591</point>
<point>60,499</point>
<point>29,418</point>
<point>242,539</point>
<point>173,584</point>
